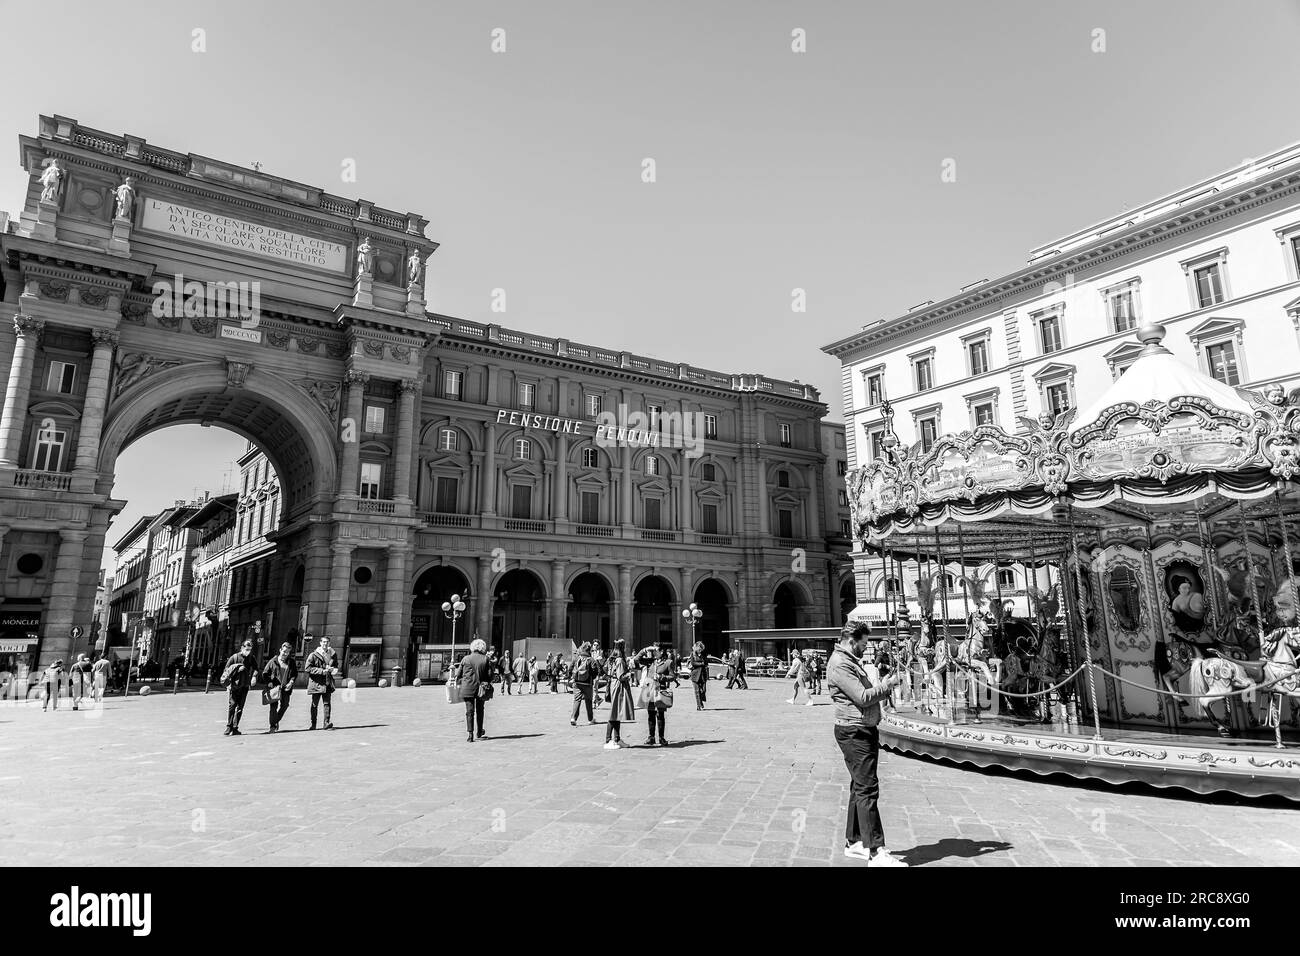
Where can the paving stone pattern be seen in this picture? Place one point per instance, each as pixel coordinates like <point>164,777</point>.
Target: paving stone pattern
<point>752,781</point>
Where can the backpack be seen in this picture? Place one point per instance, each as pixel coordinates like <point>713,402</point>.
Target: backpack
<point>582,673</point>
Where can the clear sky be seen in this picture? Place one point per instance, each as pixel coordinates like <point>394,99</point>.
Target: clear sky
<point>775,170</point>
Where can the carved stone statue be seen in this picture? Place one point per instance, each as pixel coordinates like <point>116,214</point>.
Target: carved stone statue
<point>415,269</point>
<point>125,196</point>
<point>51,182</point>
<point>134,366</point>
<point>365,258</point>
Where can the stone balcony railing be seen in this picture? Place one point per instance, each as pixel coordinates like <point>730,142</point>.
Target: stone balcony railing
<point>376,506</point>
<point>43,480</point>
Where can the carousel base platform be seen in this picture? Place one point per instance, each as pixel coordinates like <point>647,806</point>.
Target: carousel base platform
<point>1200,763</point>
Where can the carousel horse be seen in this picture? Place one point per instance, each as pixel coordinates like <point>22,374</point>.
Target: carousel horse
<point>1281,648</point>
<point>1212,678</point>
<point>1016,678</point>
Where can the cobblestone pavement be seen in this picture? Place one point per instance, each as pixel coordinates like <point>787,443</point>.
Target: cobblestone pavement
<point>750,781</point>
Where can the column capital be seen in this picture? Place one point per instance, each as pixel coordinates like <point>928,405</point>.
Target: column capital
<point>105,337</point>
<point>27,324</point>
<point>342,549</point>
<point>408,386</point>
<point>484,561</point>
<point>73,535</point>
<point>354,377</point>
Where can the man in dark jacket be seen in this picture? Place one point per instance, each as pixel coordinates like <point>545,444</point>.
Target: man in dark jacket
<point>238,676</point>
<point>322,666</point>
<point>52,678</point>
<point>857,718</point>
<point>474,674</point>
<point>280,672</point>
<point>583,678</point>
<point>736,670</point>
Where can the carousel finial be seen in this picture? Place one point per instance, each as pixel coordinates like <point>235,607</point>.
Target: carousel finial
<point>1151,335</point>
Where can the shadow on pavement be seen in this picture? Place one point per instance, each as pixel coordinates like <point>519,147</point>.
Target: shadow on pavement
<point>951,847</point>
<point>674,744</point>
<point>321,730</point>
<point>510,736</point>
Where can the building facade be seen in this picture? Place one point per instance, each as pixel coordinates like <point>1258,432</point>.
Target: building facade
<point>209,606</point>
<point>1216,263</point>
<point>132,560</point>
<point>563,488</point>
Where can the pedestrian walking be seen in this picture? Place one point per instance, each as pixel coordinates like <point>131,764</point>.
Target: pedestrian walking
<point>553,668</point>
<point>658,694</point>
<point>801,670</point>
<point>475,678</point>
<point>815,668</point>
<point>622,707</point>
<point>322,666</point>
<point>700,674</point>
<point>737,670</point>
<point>534,671</point>
<point>521,672</point>
<point>239,674</point>
<point>279,674</point>
<point>857,719</point>
<point>80,674</point>
<point>52,680</point>
<point>99,674</point>
<point>584,676</point>
<point>600,681</point>
<point>507,673</point>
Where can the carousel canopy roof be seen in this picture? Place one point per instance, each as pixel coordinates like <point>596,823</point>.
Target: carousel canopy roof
<point>1157,377</point>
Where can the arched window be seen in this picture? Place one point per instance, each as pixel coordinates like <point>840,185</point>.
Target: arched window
<point>523,449</point>
<point>893,586</point>
<point>589,458</point>
<point>448,439</point>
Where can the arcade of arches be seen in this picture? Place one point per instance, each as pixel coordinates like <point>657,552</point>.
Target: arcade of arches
<point>412,455</point>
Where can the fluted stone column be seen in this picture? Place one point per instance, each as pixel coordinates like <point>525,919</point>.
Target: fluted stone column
<point>350,466</point>
<point>92,414</point>
<point>406,391</point>
<point>559,601</point>
<point>396,595</point>
<point>13,418</point>
<point>488,504</point>
<point>483,600</point>
<point>64,612</point>
<point>336,611</point>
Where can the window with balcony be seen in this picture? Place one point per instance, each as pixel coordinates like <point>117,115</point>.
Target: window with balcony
<point>371,477</point>
<point>590,507</point>
<point>709,519</point>
<point>652,513</point>
<point>62,378</point>
<point>374,419</point>
<point>1007,579</point>
<point>448,439</point>
<point>521,501</point>
<point>784,523</point>
<point>50,444</point>
<point>446,495</point>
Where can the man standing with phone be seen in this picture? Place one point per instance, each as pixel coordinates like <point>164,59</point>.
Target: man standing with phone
<point>322,667</point>
<point>857,718</point>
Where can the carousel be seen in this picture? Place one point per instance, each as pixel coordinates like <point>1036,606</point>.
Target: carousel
<point>1157,533</point>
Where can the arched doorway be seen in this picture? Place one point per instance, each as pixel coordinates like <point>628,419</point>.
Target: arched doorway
<point>711,596</point>
<point>848,598</point>
<point>791,606</point>
<point>429,625</point>
<point>518,609</point>
<point>652,612</point>
<point>589,611</point>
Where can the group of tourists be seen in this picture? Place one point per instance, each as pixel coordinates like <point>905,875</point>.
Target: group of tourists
<point>279,675</point>
<point>80,680</point>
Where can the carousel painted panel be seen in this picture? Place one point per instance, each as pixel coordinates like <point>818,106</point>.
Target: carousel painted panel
<point>1159,441</point>
<point>1131,624</point>
<point>968,466</point>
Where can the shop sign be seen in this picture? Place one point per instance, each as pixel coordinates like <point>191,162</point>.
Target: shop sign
<point>19,646</point>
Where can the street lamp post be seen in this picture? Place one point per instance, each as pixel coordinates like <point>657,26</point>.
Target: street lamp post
<point>691,616</point>
<point>452,610</point>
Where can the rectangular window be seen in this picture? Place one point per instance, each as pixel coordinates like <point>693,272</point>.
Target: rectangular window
<point>1058,398</point>
<point>1049,333</point>
<point>62,378</point>
<point>371,474</point>
<point>593,406</point>
<point>1295,253</point>
<point>527,396</point>
<point>929,432</point>
<point>451,384</point>
<point>785,523</point>
<point>875,388</point>
<point>590,507</point>
<point>654,412</point>
<point>979,357</point>
<point>711,426</point>
<point>877,444</point>
<point>374,419</point>
<point>709,519</point>
<point>924,375</point>
<point>448,439</point>
<point>652,513</point>
<point>844,499</point>
<point>785,435</point>
<point>1222,360</point>
<point>1123,316</point>
<point>49,450</point>
<point>983,413</point>
<point>709,472</point>
<point>447,494</point>
<point>1209,285</point>
<point>521,501</point>
<point>841,468</point>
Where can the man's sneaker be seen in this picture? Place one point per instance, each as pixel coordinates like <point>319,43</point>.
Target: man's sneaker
<point>573,723</point>
<point>884,858</point>
<point>611,746</point>
<point>856,851</point>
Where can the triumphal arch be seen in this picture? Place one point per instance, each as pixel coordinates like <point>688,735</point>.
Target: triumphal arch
<point>143,288</point>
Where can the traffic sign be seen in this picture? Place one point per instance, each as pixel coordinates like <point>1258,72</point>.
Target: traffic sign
<point>76,633</point>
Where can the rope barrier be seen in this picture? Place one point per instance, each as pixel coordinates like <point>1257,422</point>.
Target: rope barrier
<point>1006,693</point>
<point>1253,688</point>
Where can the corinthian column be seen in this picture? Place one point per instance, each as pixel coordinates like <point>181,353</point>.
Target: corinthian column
<point>406,390</point>
<point>13,419</point>
<point>350,467</point>
<point>92,414</point>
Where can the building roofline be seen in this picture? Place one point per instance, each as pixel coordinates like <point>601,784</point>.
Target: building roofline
<point>134,532</point>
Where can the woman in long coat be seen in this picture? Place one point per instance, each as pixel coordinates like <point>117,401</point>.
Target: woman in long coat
<point>662,673</point>
<point>700,674</point>
<point>622,706</point>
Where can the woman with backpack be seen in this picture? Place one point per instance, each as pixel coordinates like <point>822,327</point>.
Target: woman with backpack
<point>621,705</point>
